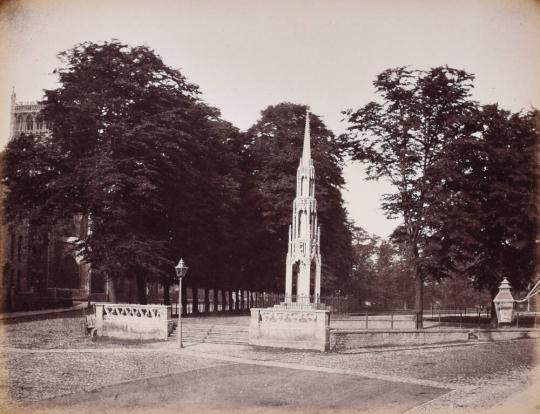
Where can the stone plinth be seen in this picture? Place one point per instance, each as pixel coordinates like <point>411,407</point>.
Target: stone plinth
<point>286,326</point>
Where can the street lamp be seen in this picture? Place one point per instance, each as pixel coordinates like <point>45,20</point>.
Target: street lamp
<point>504,303</point>
<point>181,270</point>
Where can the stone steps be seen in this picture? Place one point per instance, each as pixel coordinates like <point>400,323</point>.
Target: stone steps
<point>216,334</point>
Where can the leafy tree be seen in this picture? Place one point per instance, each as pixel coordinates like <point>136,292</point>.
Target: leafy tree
<point>401,136</point>
<point>381,276</point>
<point>273,150</point>
<point>363,275</point>
<point>134,150</point>
<point>484,217</point>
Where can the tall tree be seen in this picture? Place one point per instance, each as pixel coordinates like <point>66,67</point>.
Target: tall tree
<point>484,213</point>
<point>273,149</point>
<point>402,135</point>
<point>135,150</point>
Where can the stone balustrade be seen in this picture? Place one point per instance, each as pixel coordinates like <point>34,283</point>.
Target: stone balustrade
<point>129,321</point>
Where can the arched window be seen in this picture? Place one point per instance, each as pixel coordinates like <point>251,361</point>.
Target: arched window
<point>39,123</point>
<point>29,123</point>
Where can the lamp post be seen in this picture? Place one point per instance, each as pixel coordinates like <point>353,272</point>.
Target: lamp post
<point>504,303</point>
<point>181,270</point>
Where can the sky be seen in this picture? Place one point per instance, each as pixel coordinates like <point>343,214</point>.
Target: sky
<point>246,55</point>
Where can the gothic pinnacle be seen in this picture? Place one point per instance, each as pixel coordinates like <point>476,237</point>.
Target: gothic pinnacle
<point>306,152</point>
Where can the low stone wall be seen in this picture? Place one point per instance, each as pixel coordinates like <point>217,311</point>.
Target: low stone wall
<point>290,328</point>
<point>128,321</point>
<point>341,340</point>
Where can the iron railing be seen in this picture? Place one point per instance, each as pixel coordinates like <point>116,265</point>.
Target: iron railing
<point>377,319</point>
<point>336,304</point>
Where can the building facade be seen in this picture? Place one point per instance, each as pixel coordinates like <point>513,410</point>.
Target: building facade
<point>41,267</point>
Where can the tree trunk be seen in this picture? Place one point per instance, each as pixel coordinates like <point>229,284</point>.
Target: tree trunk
<point>166,293</point>
<point>184,300</point>
<point>206,300</point>
<point>111,289</point>
<point>223,300</point>
<point>141,289</point>
<point>493,313</point>
<point>195,301</point>
<point>216,301</point>
<point>419,300</point>
<point>419,290</point>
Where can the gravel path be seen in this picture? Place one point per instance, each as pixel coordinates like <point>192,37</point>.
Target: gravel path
<point>34,376</point>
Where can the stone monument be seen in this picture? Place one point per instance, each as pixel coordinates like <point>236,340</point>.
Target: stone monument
<point>301,321</point>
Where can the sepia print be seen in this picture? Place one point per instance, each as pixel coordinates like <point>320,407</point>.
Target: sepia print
<point>238,206</point>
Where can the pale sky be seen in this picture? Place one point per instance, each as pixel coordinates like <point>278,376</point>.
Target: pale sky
<point>246,55</point>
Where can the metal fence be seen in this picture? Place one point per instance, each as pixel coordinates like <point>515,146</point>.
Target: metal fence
<point>383,319</point>
<point>527,319</point>
<point>336,304</point>
<point>459,317</point>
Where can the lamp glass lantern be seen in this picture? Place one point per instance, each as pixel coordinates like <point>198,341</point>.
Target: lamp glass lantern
<point>181,269</point>
<point>504,303</point>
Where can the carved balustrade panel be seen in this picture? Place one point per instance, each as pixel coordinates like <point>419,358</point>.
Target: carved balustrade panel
<point>300,316</point>
<point>133,311</point>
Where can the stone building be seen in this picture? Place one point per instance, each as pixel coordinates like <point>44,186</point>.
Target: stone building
<point>40,266</point>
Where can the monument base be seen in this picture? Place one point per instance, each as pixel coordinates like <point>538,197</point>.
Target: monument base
<point>289,326</point>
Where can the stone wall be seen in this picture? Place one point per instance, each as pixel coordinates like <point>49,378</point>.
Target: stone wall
<point>341,340</point>
<point>126,321</point>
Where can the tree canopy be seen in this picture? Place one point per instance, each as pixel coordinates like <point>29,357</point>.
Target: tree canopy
<point>135,150</point>
<point>274,146</point>
<point>464,175</point>
<point>158,174</point>
<point>484,217</point>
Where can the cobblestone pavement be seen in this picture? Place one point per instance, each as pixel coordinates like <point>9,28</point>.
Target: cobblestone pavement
<point>49,358</point>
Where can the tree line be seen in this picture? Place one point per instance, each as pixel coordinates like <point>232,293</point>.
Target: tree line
<point>158,174</point>
<point>464,175</point>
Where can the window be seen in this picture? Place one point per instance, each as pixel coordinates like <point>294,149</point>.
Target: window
<point>39,123</point>
<point>29,123</point>
<point>19,123</point>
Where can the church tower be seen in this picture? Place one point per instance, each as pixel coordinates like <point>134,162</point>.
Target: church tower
<point>303,273</point>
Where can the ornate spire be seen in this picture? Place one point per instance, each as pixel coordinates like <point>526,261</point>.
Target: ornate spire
<point>306,152</point>
<point>304,252</point>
